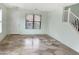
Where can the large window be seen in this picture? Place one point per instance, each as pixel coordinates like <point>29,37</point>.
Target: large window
<point>33,21</point>
<point>0,20</point>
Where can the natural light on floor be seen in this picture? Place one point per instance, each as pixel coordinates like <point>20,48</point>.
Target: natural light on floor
<point>32,43</point>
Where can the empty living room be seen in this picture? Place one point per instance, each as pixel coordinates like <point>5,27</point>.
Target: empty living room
<point>39,29</point>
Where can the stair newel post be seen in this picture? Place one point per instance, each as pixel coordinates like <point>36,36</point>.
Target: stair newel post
<point>69,14</point>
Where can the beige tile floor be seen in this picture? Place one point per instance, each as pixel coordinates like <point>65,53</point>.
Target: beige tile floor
<point>33,45</point>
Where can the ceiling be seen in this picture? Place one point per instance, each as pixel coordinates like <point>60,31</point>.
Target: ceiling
<point>39,6</point>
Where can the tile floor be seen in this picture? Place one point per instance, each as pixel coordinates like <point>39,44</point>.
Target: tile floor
<point>33,45</point>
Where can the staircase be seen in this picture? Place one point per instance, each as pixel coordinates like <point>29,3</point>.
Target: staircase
<point>72,19</point>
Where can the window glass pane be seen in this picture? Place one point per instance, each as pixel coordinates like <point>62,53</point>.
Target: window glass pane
<point>37,17</point>
<point>36,25</point>
<point>65,16</point>
<point>29,25</point>
<point>0,27</point>
<point>0,14</point>
<point>29,17</point>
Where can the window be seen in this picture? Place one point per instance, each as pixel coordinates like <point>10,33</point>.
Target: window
<point>65,15</point>
<point>33,21</point>
<point>0,20</point>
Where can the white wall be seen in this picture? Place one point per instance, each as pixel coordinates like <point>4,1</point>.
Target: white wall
<point>4,19</point>
<point>16,22</point>
<point>61,31</point>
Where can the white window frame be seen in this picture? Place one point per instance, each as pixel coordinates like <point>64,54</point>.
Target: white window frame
<point>0,20</point>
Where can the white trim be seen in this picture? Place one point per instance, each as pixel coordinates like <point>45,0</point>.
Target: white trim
<point>69,14</point>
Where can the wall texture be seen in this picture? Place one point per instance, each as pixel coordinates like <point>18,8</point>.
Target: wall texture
<point>16,22</point>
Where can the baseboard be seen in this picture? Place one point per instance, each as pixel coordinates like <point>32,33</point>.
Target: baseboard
<point>3,38</point>
<point>64,44</point>
<point>27,34</point>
